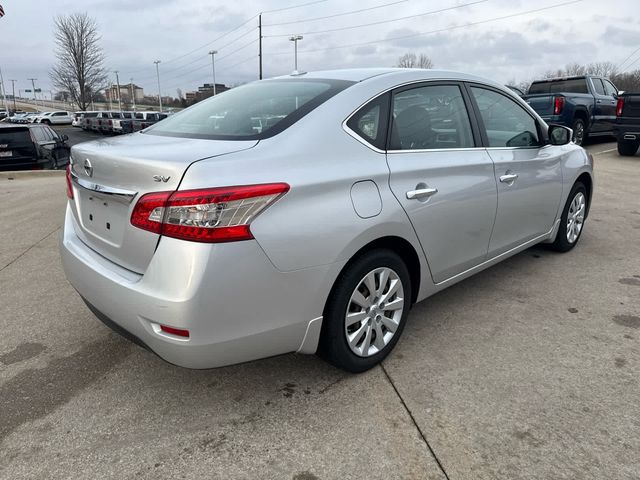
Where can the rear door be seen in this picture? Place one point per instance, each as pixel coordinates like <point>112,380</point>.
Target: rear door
<point>528,173</point>
<point>442,176</point>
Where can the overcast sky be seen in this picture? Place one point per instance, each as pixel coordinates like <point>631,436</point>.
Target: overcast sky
<point>180,33</point>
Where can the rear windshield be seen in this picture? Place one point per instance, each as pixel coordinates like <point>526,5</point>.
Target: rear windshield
<point>13,137</point>
<point>574,85</point>
<point>251,112</point>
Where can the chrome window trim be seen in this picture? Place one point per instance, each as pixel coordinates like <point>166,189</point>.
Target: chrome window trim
<point>127,195</point>
<point>363,141</point>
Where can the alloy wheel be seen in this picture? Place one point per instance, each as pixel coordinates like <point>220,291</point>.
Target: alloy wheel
<point>575,217</point>
<point>374,312</point>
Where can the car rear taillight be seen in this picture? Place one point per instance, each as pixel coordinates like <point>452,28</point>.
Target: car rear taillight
<point>208,215</point>
<point>558,105</point>
<point>69,186</point>
<point>180,332</point>
<point>620,107</point>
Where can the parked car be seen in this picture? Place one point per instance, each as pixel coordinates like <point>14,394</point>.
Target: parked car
<point>117,126</point>
<point>628,123</point>
<point>36,117</point>
<point>85,121</point>
<point>103,122</point>
<point>375,189</point>
<point>18,117</point>
<point>145,119</point>
<point>79,116</point>
<point>32,146</point>
<point>586,104</point>
<point>56,118</point>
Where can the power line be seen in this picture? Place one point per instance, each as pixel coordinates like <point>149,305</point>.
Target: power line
<point>292,7</point>
<point>334,15</point>
<point>201,78</point>
<point>625,60</point>
<point>432,12</point>
<point>413,35</point>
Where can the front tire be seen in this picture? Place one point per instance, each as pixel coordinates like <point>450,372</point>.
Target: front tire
<point>628,149</point>
<point>366,311</point>
<point>572,219</point>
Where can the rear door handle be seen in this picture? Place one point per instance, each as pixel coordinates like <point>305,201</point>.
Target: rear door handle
<point>421,193</point>
<point>509,178</point>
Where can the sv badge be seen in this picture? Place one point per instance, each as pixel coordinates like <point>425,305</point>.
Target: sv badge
<point>160,178</point>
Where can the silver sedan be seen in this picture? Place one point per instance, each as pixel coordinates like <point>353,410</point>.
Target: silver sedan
<point>308,213</point>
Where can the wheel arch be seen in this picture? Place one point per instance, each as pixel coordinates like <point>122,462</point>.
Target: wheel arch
<point>587,181</point>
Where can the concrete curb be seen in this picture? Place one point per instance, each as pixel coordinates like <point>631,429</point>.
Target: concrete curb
<point>31,174</point>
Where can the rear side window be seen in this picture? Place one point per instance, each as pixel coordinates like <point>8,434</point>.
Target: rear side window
<point>573,85</point>
<point>38,134</point>
<point>507,124</point>
<point>370,122</point>
<point>251,112</point>
<point>597,84</point>
<point>430,117</point>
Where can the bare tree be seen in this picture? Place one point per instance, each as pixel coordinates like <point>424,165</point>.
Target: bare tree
<point>80,59</point>
<point>410,60</point>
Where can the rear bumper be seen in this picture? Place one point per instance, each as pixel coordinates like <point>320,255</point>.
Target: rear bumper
<point>236,305</point>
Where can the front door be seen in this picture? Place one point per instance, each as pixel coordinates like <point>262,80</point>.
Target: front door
<point>528,173</point>
<point>441,176</point>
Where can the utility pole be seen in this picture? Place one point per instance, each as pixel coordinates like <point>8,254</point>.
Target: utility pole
<point>157,62</point>
<point>213,68</point>
<point>33,84</point>
<point>295,39</point>
<point>133,95</point>
<point>118,83</point>
<point>13,92</point>
<point>4,92</point>
<point>110,97</point>
<point>260,44</point>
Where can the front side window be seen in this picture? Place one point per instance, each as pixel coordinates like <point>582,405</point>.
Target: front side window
<point>430,117</point>
<point>609,88</point>
<point>507,124</point>
<point>251,112</point>
<point>370,122</point>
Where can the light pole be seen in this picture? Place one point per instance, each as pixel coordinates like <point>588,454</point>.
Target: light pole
<point>13,92</point>
<point>133,94</point>
<point>295,39</point>
<point>157,62</point>
<point>118,83</point>
<point>213,68</point>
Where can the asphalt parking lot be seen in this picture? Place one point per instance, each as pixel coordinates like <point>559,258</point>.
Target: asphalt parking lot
<point>529,370</point>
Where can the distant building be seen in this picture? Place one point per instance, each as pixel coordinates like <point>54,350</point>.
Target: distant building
<point>205,91</point>
<point>125,91</point>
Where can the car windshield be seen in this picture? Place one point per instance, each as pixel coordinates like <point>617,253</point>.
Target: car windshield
<point>254,111</point>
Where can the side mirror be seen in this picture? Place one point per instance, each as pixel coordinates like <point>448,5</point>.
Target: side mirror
<point>559,135</point>
<point>65,137</point>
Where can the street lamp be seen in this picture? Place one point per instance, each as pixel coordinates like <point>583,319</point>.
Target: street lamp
<point>295,39</point>
<point>213,68</point>
<point>133,95</point>
<point>118,83</point>
<point>157,62</point>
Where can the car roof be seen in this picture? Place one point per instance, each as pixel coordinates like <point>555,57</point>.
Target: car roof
<point>399,74</point>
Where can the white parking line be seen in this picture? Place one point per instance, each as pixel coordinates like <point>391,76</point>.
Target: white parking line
<point>605,151</point>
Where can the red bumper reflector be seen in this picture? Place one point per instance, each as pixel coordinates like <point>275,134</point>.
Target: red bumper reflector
<point>175,331</point>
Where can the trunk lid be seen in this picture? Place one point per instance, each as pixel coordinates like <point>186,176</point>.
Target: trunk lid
<point>111,175</point>
<point>16,147</point>
<point>631,107</point>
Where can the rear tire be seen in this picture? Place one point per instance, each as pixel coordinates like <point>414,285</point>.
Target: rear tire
<point>628,149</point>
<point>366,311</point>
<point>579,132</point>
<point>572,220</point>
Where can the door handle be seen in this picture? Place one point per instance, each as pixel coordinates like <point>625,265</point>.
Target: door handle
<point>421,193</point>
<point>598,101</point>
<point>509,178</point>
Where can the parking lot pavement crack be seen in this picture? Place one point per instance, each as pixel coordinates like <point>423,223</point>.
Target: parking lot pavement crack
<point>29,249</point>
<point>422,435</point>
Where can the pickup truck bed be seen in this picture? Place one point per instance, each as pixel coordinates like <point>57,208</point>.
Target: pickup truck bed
<point>628,123</point>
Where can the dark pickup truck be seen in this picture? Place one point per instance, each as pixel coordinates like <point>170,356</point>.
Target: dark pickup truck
<point>628,123</point>
<point>586,104</point>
